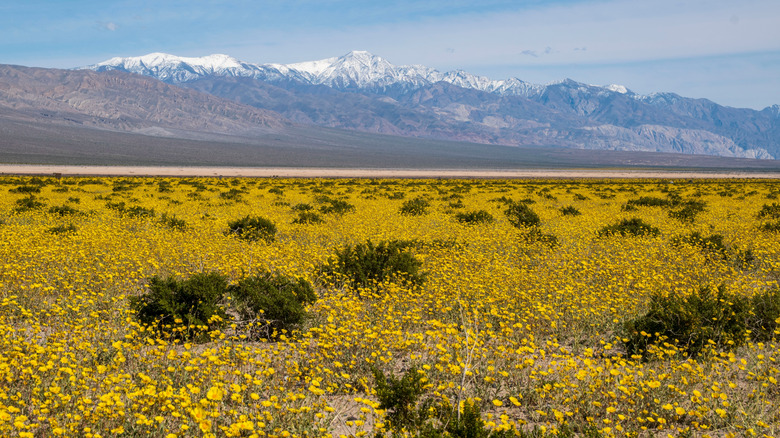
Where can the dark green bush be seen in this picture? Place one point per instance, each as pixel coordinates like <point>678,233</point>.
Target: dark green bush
<point>520,215</point>
<point>633,227</point>
<point>272,303</point>
<point>771,211</point>
<point>232,194</point>
<point>772,227</point>
<point>475,217</point>
<point>308,217</point>
<point>63,210</point>
<point>688,211</point>
<point>367,264</point>
<point>337,206</point>
<point>302,207</point>
<point>26,189</point>
<point>253,229</point>
<point>399,398</point>
<point>138,211</point>
<point>570,211</point>
<point>712,243</point>
<point>183,309</point>
<point>173,222</point>
<point>62,229</point>
<point>28,203</point>
<point>415,207</point>
<point>690,322</point>
<point>765,314</point>
<point>650,201</point>
<point>536,236</point>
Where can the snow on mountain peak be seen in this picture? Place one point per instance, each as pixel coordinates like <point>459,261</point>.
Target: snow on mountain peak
<point>356,69</point>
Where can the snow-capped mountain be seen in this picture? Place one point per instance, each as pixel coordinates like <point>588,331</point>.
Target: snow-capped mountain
<point>355,70</point>
<point>364,92</point>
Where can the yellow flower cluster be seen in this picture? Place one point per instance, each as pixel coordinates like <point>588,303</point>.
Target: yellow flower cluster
<point>528,328</point>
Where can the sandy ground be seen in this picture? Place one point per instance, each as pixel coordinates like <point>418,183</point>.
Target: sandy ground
<point>287,172</point>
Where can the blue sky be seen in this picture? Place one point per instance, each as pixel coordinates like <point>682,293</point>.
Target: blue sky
<point>724,50</point>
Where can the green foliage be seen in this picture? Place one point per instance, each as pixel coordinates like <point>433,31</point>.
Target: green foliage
<point>26,189</point>
<point>232,195</point>
<point>690,322</point>
<point>253,229</point>
<point>183,309</point>
<point>771,211</point>
<point>772,227</point>
<point>273,304</point>
<point>63,210</point>
<point>520,215</point>
<point>28,203</point>
<point>302,207</point>
<point>415,207</point>
<point>138,211</point>
<point>62,229</point>
<point>765,314</point>
<point>475,217</point>
<point>308,217</point>
<point>337,206</point>
<point>534,235</point>
<point>712,243</point>
<point>649,201</point>
<point>570,211</point>
<point>173,222</point>
<point>408,414</point>
<point>633,227</point>
<point>687,211</point>
<point>399,398</point>
<point>367,264</point>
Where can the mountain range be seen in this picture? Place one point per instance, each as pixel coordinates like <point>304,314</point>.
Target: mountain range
<point>363,92</point>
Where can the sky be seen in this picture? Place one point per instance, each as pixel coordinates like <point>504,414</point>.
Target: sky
<point>725,50</point>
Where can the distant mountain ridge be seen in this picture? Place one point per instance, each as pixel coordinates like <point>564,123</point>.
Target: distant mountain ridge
<point>364,92</point>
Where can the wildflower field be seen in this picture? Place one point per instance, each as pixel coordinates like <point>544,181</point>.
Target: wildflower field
<point>545,308</point>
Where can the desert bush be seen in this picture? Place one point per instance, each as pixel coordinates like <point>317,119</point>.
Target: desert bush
<point>183,309</point>
<point>367,264</point>
<point>765,314</point>
<point>520,215</point>
<point>337,206</point>
<point>28,203</point>
<point>474,217</point>
<point>633,227</point>
<point>415,207</point>
<point>232,195</point>
<point>650,201</point>
<point>253,229</point>
<point>138,211</point>
<point>271,304</point>
<point>63,210</point>
<point>772,227</point>
<point>62,229</point>
<point>399,397</point>
<point>28,189</point>
<point>534,235</point>
<point>712,243</point>
<point>302,207</point>
<point>570,211</point>
<point>687,211</point>
<point>771,211</point>
<point>173,222</point>
<point>689,322</point>
<point>308,217</point>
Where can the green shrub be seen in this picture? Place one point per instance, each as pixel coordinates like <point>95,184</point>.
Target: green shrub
<point>253,229</point>
<point>765,315</point>
<point>367,264</point>
<point>308,217</point>
<point>536,236</point>
<point>302,207</point>
<point>633,227</point>
<point>232,195</point>
<point>415,207</point>
<point>475,217</point>
<point>183,309</point>
<point>689,322</point>
<point>570,211</point>
<point>28,203</point>
<point>63,210</point>
<point>712,243</point>
<point>688,211</point>
<point>62,229</point>
<point>173,222</point>
<point>772,227</point>
<point>650,201</point>
<point>771,211</point>
<point>273,304</point>
<point>337,206</point>
<point>520,215</point>
<point>26,189</point>
<point>399,398</point>
<point>138,211</point>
